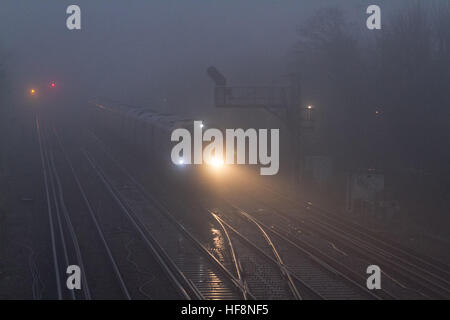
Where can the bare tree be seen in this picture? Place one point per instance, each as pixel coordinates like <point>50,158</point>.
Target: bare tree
<point>329,62</point>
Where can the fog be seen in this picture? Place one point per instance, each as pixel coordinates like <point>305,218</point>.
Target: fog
<point>142,51</point>
<point>155,54</point>
<point>125,156</point>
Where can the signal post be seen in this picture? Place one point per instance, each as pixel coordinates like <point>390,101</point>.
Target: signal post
<point>284,102</point>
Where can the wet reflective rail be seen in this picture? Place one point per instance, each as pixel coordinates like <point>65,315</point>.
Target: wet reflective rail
<point>206,277</point>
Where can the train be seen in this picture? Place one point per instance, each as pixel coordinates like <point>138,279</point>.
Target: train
<point>148,134</point>
<point>145,129</point>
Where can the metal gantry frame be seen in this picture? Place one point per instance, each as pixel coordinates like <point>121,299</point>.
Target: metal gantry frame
<point>284,102</point>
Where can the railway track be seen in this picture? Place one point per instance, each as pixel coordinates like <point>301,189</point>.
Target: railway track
<point>260,258</point>
<point>318,280</point>
<point>103,238</point>
<point>407,272</point>
<point>235,264</point>
<point>328,255</point>
<point>173,274</point>
<point>265,281</point>
<point>433,265</point>
<point>428,265</point>
<point>65,249</point>
<point>202,270</point>
<point>79,238</point>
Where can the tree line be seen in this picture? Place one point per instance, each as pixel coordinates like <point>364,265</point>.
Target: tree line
<point>383,95</point>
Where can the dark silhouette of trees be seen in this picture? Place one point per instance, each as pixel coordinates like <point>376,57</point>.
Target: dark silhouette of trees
<point>332,72</point>
<point>384,94</point>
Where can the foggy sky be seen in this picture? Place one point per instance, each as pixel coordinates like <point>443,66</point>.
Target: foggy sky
<point>139,51</point>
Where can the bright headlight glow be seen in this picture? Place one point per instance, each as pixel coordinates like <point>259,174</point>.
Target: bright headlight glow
<point>181,161</point>
<point>216,162</point>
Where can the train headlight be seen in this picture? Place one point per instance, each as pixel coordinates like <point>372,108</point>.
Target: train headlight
<point>216,162</point>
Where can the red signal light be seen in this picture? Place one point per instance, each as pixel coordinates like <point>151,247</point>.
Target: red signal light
<point>52,84</point>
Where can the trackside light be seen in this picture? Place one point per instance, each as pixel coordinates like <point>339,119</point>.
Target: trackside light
<point>33,92</point>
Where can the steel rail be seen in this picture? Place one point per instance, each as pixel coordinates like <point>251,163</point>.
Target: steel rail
<point>114,264</point>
